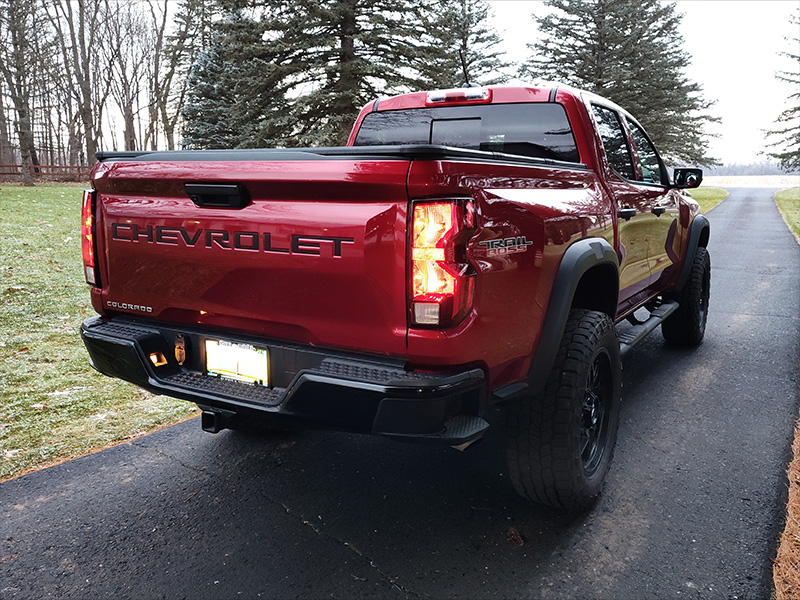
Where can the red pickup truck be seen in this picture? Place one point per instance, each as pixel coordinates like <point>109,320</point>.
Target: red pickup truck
<point>467,248</point>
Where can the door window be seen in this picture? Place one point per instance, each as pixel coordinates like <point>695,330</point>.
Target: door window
<point>648,157</point>
<point>614,141</point>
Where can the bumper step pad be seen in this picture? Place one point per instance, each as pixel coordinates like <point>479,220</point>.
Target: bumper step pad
<point>226,387</point>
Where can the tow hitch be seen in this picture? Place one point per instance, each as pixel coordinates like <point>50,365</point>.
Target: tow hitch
<point>214,421</point>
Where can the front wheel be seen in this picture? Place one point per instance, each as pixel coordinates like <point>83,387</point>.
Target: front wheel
<point>687,325</point>
<point>560,442</point>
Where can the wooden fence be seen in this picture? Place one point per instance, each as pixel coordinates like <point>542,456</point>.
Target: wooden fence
<point>58,172</point>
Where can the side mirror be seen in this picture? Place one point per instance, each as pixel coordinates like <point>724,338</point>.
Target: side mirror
<point>688,178</point>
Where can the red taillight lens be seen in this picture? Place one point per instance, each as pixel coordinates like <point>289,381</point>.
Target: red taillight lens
<point>442,282</point>
<point>87,236</point>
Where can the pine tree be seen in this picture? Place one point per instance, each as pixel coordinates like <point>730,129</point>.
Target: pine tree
<point>296,72</point>
<point>789,136</point>
<point>629,51</point>
<point>461,47</point>
<point>340,54</point>
<point>236,97</point>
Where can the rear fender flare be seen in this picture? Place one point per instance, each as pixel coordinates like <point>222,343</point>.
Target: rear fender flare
<point>580,257</point>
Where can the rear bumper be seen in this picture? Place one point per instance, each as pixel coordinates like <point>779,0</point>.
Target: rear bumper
<point>312,388</point>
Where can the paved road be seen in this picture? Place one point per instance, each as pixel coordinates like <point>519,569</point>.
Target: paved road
<point>692,507</point>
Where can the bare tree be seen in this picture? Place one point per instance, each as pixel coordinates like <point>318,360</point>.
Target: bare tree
<point>175,52</point>
<point>128,58</point>
<point>18,21</point>
<point>80,33</point>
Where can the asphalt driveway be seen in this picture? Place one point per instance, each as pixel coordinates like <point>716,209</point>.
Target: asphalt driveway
<point>693,505</point>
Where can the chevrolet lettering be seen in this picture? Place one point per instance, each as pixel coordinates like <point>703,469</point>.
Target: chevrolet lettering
<point>227,240</point>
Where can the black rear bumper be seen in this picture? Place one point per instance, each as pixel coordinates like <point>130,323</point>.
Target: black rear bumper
<point>313,388</point>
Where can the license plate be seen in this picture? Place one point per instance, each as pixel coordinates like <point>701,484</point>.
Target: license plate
<point>240,362</point>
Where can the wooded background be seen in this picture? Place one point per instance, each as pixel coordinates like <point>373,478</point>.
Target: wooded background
<point>81,75</point>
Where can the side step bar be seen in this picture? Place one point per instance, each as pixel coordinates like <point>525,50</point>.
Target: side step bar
<point>630,337</point>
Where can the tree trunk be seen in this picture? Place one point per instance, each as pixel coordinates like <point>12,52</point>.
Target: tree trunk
<point>6,148</point>
<point>348,78</point>
<point>129,134</point>
<point>25,138</point>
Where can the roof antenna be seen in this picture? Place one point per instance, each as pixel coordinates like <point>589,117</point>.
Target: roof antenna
<point>467,84</point>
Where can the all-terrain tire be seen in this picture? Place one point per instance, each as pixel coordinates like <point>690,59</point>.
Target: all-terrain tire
<point>687,325</point>
<point>560,442</point>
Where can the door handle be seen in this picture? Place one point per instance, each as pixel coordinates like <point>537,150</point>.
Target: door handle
<point>659,210</point>
<point>627,213</point>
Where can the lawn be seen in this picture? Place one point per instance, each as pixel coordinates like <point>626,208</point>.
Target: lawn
<point>786,574</point>
<point>788,202</point>
<point>53,405</point>
<point>709,197</point>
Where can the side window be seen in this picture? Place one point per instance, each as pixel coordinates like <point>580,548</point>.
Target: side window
<point>648,157</point>
<point>614,141</point>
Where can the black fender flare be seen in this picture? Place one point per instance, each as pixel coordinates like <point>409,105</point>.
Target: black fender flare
<point>699,231</point>
<point>578,259</point>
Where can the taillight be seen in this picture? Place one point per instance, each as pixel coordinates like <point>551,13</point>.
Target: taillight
<point>87,236</point>
<point>442,281</point>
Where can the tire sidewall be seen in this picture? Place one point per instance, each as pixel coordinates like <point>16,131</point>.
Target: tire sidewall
<point>607,345</point>
<point>544,431</point>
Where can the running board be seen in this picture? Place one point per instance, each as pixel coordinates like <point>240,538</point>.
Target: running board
<point>630,337</point>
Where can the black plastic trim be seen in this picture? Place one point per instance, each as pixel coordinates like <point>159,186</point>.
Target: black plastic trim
<point>400,152</point>
<point>579,258</point>
<point>218,195</point>
<point>699,226</point>
<point>332,389</point>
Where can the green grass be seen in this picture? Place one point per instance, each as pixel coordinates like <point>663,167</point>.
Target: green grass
<point>788,202</point>
<point>708,197</point>
<point>53,405</point>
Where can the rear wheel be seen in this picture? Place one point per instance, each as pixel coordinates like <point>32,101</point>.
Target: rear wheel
<point>687,325</point>
<point>560,442</point>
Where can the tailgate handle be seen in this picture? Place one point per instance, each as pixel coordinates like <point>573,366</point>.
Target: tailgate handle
<point>218,195</point>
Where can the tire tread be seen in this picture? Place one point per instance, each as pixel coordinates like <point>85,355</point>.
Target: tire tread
<point>542,435</point>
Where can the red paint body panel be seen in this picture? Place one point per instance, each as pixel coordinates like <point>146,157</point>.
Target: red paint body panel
<point>282,281</point>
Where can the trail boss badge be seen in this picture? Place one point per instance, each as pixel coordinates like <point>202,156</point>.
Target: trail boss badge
<point>510,245</point>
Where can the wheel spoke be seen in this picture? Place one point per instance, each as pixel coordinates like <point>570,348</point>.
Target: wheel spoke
<point>593,415</point>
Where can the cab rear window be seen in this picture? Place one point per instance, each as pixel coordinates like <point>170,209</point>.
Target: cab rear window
<point>535,130</point>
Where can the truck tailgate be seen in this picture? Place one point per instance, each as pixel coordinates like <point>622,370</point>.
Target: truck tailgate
<point>316,255</point>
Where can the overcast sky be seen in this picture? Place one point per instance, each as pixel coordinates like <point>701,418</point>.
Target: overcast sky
<point>735,47</point>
